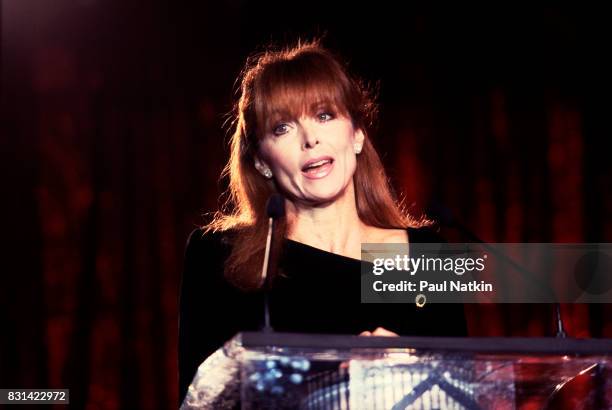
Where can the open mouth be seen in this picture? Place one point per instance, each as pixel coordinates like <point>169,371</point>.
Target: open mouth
<point>318,168</point>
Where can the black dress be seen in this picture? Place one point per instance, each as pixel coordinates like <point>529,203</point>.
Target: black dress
<point>318,293</point>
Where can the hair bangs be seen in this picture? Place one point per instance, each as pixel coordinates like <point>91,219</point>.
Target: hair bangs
<point>289,91</point>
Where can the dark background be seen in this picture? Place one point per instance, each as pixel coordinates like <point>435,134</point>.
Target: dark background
<point>113,140</point>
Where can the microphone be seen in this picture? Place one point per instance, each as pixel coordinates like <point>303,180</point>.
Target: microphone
<point>275,209</point>
<point>446,218</point>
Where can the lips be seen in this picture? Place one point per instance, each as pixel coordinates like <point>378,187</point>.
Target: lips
<point>318,167</point>
<point>315,162</point>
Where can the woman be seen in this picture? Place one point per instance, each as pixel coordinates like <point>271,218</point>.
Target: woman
<point>301,130</point>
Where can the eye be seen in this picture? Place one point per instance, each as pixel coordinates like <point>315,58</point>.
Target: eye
<point>280,129</point>
<point>325,116</point>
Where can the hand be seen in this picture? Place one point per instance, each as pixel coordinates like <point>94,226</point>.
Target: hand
<point>379,331</point>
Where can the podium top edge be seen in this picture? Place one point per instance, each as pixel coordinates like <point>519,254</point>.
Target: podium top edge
<point>500,345</point>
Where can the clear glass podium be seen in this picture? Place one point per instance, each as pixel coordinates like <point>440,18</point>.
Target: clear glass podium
<point>305,371</point>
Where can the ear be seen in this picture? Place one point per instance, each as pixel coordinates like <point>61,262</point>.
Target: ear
<point>358,139</point>
<point>262,167</point>
<point>359,136</point>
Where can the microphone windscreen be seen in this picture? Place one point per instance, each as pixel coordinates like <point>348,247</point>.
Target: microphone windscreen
<point>275,207</point>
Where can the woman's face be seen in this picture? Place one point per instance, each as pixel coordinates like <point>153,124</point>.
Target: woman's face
<point>312,158</point>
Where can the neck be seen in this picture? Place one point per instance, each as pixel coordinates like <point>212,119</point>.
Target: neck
<point>333,227</point>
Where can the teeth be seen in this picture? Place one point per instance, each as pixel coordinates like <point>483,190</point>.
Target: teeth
<point>318,163</point>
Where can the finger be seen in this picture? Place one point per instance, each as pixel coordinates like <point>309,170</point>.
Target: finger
<point>365,333</point>
<point>381,331</point>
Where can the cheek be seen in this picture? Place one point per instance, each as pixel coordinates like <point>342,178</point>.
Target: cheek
<point>348,140</point>
<point>348,147</point>
<point>347,163</point>
<point>271,154</point>
<point>351,161</point>
<point>280,161</point>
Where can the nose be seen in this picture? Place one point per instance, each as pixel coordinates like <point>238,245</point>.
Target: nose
<point>310,136</point>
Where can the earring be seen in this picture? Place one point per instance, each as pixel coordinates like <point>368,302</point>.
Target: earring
<point>357,148</point>
<point>267,173</point>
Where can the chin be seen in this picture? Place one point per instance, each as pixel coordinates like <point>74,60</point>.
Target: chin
<point>325,196</point>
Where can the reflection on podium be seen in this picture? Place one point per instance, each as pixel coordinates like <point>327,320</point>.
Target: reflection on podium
<point>299,371</point>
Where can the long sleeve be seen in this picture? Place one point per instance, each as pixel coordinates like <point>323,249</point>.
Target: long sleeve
<point>205,305</point>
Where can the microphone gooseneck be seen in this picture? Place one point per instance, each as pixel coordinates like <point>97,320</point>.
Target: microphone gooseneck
<point>445,217</point>
<point>275,209</point>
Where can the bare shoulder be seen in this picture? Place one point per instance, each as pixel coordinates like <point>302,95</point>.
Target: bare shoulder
<point>381,235</point>
<point>396,236</point>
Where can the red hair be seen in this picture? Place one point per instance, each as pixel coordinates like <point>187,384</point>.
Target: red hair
<point>290,82</point>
